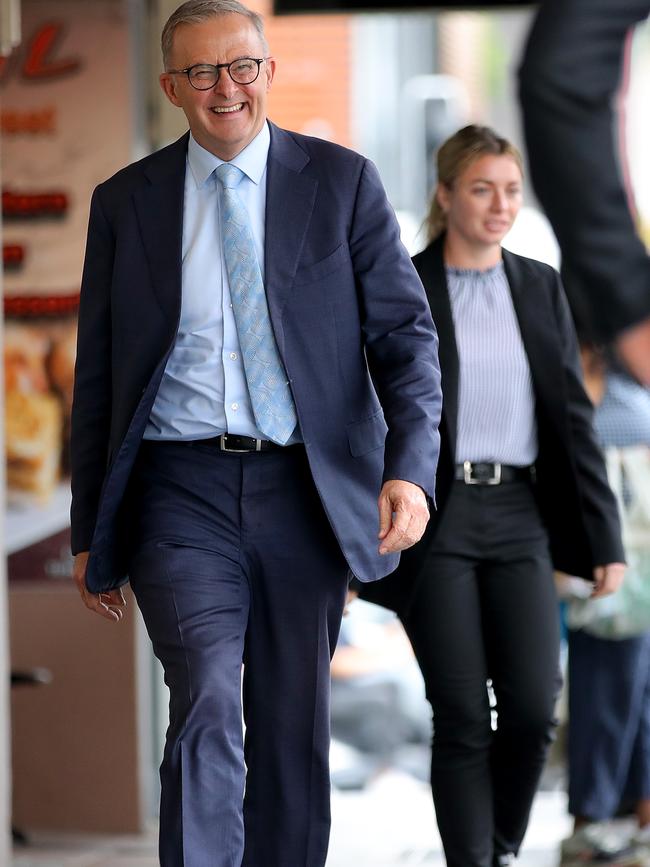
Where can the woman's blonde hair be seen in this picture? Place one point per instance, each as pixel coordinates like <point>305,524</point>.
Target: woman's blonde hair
<point>455,155</point>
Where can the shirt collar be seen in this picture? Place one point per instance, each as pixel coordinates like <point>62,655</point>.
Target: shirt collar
<point>252,160</point>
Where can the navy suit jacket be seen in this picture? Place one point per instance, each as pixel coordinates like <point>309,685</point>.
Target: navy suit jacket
<point>351,322</point>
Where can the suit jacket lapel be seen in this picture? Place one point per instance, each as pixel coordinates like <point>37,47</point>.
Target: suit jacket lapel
<point>290,198</point>
<point>431,267</point>
<point>159,206</point>
<point>539,332</point>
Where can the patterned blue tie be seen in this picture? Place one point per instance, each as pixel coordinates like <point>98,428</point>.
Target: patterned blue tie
<point>271,399</point>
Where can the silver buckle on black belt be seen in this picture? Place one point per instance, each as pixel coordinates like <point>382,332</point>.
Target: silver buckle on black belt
<point>477,474</point>
<point>255,444</point>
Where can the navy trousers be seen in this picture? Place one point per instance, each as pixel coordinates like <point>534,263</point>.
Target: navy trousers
<point>609,723</point>
<point>234,562</point>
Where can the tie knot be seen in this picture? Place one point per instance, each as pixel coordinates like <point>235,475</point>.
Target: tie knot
<point>229,175</point>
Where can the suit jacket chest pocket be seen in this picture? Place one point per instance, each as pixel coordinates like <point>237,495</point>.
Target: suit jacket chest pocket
<point>323,267</point>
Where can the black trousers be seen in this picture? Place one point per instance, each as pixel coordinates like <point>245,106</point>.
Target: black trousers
<point>486,609</point>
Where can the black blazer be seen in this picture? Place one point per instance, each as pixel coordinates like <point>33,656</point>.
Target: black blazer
<point>575,501</point>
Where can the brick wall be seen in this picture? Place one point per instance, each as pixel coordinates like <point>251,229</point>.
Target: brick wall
<point>311,90</point>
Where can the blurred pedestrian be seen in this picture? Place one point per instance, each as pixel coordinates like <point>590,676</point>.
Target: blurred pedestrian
<point>571,71</point>
<point>609,659</point>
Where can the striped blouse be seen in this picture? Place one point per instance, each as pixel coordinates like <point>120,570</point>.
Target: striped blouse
<point>496,404</point>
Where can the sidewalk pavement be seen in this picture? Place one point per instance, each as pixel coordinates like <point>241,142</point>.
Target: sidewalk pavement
<point>392,824</point>
<point>388,824</point>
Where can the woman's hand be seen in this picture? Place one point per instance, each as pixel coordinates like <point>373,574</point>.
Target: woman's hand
<point>607,579</point>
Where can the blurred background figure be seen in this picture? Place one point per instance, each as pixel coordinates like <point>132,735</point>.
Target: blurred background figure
<point>572,68</point>
<point>521,486</point>
<point>609,649</point>
<point>379,711</point>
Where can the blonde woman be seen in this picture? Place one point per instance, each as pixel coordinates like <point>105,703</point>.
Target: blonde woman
<point>521,490</point>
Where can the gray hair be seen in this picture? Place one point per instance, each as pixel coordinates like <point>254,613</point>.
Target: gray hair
<point>198,11</point>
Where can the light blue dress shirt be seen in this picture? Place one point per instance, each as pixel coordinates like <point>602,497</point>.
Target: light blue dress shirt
<point>203,392</point>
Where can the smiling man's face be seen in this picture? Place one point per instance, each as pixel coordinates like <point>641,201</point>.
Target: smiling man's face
<point>227,117</point>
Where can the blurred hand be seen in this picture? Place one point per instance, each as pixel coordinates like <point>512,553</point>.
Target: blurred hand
<point>607,579</point>
<point>352,595</point>
<point>634,349</point>
<point>403,515</point>
<point>110,605</point>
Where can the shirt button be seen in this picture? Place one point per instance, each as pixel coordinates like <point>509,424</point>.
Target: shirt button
<point>234,406</point>
<point>233,356</point>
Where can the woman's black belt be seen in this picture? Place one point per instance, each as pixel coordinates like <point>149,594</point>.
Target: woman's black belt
<point>479,473</point>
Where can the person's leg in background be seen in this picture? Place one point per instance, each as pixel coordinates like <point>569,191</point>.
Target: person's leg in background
<point>520,622</point>
<point>521,633</point>
<point>609,745</point>
<point>444,627</point>
<point>638,784</point>
<point>608,694</point>
<point>486,608</point>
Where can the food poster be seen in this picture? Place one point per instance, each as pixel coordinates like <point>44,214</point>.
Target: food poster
<point>66,125</point>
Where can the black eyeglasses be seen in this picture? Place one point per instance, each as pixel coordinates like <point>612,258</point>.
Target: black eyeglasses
<point>203,76</point>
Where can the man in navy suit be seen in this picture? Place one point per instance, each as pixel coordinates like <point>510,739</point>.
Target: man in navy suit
<point>239,538</point>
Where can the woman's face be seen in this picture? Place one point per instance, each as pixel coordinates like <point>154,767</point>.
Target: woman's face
<point>483,202</point>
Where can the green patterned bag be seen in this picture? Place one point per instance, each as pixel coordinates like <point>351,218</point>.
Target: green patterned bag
<point>626,613</point>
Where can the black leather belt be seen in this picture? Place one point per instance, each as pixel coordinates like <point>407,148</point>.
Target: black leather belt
<point>492,474</point>
<point>237,444</point>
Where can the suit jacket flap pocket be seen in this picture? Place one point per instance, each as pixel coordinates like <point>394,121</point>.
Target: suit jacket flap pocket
<point>366,435</point>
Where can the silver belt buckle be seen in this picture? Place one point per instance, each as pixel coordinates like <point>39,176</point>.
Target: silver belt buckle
<point>470,480</point>
<point>224,447</point>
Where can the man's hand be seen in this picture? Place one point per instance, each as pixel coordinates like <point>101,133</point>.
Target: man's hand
<point>607,579</point>
<point>110,605</point>
<point>403,515</point>
<point>633,346</point>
